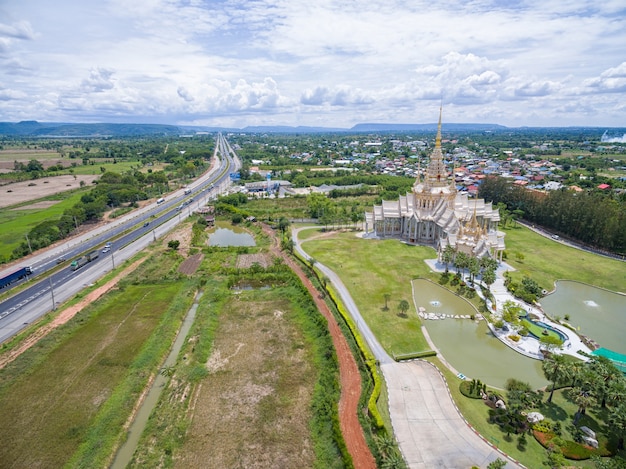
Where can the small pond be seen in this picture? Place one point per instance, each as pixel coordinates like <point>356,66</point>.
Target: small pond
<point>600,314</point>
<point>223,237</point>
<point>470,347</point>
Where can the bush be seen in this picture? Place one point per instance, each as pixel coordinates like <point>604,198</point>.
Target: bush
<point>471,388</point>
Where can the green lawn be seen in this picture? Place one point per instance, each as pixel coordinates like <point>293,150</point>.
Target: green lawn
<point>547,261</point>
<point>370,269</point>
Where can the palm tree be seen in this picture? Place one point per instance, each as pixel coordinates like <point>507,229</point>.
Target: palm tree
<point>606,373</point>
<point>474,267</point>
<point>616,393</point>
<point>554,369</point>
<point>489,277</point>
<point>617,421</point>
<point>447,256</point>
<point>583,399</point>
<point>461,261</point>
<point>387,296</point>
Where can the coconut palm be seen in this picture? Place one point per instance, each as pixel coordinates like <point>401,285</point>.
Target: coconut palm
<point>447,256</point>
<point>555,370</point>
<point>606,373</point>
<point>617,422</point>
<point>583,399</point>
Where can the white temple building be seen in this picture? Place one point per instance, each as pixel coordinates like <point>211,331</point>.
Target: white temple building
<point>435,213</point>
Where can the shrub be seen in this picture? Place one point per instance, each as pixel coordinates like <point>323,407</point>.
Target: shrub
<point>471,388</point>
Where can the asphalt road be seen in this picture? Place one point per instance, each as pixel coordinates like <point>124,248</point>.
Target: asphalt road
<point>128,235</point>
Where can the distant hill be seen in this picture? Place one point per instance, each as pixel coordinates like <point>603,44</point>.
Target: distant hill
<point>61,129</point>
<point>451,127</point>
<point>56,129</point>
<point>285,129</point>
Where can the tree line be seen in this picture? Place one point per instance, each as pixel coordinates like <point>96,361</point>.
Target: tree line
<point>597,218</point>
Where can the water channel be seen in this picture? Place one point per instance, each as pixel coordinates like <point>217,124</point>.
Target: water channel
<point>600,314</point>
<point>126,451</point>
<point>469,346</point>
<point>224,237</point>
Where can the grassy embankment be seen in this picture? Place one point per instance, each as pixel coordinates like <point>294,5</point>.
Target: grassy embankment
<point>371,268</point>
<point>17,222</point>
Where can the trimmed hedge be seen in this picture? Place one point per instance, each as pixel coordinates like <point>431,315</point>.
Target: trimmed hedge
<point>413,355</point>
<point>368,358</point>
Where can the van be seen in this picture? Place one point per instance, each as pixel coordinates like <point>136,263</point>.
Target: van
<point>161,200</point>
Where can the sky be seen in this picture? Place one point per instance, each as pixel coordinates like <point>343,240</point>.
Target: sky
<point>331,63</point>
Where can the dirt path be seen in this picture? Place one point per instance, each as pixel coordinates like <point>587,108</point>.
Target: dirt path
<point>65,316</point>
<point>348,371</point>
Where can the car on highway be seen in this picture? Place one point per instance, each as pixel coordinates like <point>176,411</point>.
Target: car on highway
<point>106,249</point>
<point>60,260</point>
<point>146,223</point>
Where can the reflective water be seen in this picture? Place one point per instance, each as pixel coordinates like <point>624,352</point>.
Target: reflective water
<point>600,314</point>
<point>223,237</point>
<point>469,347</point>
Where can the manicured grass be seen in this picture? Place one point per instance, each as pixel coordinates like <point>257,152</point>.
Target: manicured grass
<point>17,223</point>
<point>538,331</point>
<point>369,270</point>
<point>547,261</point>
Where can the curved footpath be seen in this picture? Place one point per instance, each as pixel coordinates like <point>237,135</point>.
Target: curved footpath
<point>430,431</point>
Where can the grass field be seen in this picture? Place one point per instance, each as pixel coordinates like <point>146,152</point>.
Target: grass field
<point>547,261</point>
<point>370,269</point>
<point>16,223</point>
<point>51,396</point>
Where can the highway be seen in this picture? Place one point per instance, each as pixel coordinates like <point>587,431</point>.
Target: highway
<point>52,283</point>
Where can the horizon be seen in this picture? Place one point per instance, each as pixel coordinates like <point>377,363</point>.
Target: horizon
<point>237,64</point>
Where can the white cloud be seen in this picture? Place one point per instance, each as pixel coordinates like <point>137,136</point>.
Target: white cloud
<point>335,62</point>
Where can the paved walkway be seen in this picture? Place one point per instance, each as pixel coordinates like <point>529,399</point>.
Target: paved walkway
<point>430,431</point>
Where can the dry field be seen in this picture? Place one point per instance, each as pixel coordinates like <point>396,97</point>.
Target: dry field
<point>252,410</point>
<point>245,261</point>
<point>19,192</point>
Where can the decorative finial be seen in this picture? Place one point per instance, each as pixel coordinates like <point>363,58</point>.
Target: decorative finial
<point>438,138</point>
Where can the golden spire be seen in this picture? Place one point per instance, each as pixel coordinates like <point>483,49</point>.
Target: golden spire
<point>438,138</point>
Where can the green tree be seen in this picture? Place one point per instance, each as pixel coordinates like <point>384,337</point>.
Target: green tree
<point>403,306</point>
<point>387,297</point>
<point>173,244</point>
<point>283,224</point>
<point>497,464</point>
<point>555,370</point>
<point>617,423</point>
<point>447,256</point>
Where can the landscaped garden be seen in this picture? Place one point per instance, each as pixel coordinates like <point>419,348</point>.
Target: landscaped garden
<point>372,267</point>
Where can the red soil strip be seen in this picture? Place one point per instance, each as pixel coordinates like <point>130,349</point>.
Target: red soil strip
<point>348,371</point>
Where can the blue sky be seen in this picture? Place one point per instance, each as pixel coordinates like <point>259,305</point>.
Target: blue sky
<point>316,63</point>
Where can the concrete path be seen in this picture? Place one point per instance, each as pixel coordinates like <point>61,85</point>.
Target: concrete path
<point>430,431</point>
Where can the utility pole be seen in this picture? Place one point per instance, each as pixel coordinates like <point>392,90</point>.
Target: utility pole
<point>28,241</point>
<point>52,293</point>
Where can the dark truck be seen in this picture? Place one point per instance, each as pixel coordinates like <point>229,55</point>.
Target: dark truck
<point>78,263</point>
<point>15,276</point>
